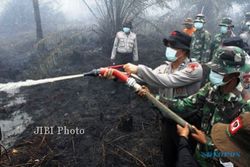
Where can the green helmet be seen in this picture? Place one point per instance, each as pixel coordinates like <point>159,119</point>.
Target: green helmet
<point>226,21</point>
<point>200,18</point>
<point>230,59</point>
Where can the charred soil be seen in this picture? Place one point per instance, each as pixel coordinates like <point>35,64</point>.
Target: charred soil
<point>120,129</point>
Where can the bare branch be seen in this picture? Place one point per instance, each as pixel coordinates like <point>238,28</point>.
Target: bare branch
<point>93,13</point>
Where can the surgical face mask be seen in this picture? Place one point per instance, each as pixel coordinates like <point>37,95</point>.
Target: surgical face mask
<point>216,79</point>
<point>223,29</point>
<point>198,25</point>
<point>170,54</point>
<point>126,29</point>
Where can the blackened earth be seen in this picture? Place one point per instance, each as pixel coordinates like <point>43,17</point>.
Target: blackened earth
<point>120,128</point>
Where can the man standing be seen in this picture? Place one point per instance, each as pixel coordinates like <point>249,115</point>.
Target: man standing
<point>201,39</point>
<point>189,26</point>
<point>226,31</point>
<point>246,35</point>
<point>178,77</point>
<point>220,100</point>
<point>125,46</point>
<point>243,25</point>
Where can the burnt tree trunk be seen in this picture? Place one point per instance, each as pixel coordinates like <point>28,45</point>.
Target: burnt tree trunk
<point>39,30</point>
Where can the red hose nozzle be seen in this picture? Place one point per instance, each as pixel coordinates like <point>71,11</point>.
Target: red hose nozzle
<point>118,74</point>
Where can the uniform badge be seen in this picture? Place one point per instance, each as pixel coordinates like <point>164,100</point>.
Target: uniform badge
<point>192,67</point>
<point>235,126</point>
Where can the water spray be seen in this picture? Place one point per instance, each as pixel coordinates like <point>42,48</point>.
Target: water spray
<point>130,81</point>
<point>13,87</point>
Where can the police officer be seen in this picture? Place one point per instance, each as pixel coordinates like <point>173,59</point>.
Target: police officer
<point>201,39</point>
<point>226,31</point>
<point>178,77</point>
<point>189,26</point>
<point>125,46</point>
<point>220,100</point>
<point>243,26</point>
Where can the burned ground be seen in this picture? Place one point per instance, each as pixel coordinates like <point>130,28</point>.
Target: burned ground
<point>85,103</point>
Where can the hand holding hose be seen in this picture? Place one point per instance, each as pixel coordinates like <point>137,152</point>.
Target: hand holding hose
<point>183,131</point>
<point>143,91</point>
<point>130,68</point>
<point>198,135</point>
<point>108,73</point>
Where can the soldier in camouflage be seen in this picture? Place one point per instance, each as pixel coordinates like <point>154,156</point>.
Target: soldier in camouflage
<point>201,39</point>
<point>220,100</point>
<point>243,25</point>
<point>226,31</point>
<point>245,36</point>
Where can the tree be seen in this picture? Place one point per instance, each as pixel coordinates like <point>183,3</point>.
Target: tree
<point>110,15</point>
<point>39,31</point>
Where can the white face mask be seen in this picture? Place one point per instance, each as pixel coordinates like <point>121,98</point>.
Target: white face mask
<point>223,29</point>
<point>198,25</point>
<point>170,54</point>
<point>216,79</point>
<point>126,29</point>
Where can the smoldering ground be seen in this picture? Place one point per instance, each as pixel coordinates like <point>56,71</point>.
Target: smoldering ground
<point>72,46</point>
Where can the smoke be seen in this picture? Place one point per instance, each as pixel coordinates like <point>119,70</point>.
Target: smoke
<point>74,10</point>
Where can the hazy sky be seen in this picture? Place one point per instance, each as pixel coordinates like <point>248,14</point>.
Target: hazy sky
<point>75,9</point>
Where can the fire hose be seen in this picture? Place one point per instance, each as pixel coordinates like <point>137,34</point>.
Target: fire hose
<point>131,82</point>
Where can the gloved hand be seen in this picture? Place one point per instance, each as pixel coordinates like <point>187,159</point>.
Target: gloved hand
<point>130,68</point>
<point>143,91</point>
<point>108,73</point>
<point>199,135</point>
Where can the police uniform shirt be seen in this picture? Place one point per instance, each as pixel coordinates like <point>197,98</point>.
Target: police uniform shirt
<point>184,81</point>
<point>125,44</point>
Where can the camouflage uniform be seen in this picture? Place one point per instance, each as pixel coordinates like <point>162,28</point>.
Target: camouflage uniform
<point>209,102</point>
<point>218,39</point>
<point>245,36</point>
<point>200,44</point>
<point>243,25</point>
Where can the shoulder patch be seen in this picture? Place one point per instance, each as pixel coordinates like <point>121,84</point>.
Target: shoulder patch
<point>235,126</point>
<point>192,67</point>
